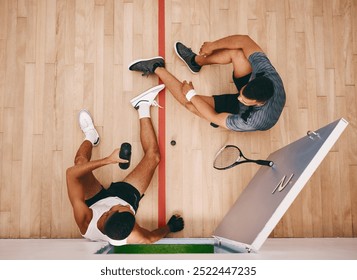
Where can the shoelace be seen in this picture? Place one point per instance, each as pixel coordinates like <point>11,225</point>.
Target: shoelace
<point>186,52</point>
<point>154,103</point>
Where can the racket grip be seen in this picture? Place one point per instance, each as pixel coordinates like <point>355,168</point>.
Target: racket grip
<point>265,162</point>
<point>125,153</point>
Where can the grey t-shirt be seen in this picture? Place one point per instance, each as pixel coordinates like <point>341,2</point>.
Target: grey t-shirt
<point>266,116</point>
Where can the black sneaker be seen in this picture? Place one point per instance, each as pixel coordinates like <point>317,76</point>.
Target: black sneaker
<point>187,55</point>
<point>147,66</point>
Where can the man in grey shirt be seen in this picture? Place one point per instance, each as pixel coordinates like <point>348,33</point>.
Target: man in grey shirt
<point>261,95</point>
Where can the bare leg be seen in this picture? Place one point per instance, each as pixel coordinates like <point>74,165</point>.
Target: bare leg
<point>174,86</point>
<point>241,65</point>
<point>90,184</point>
<point>142,174</point>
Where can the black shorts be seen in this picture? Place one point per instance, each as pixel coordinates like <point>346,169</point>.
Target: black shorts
<point>122,190</point>
<point>242,81</point>
<point>228,103</point>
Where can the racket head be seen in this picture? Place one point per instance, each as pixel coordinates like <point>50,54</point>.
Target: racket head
<point>227,157</point>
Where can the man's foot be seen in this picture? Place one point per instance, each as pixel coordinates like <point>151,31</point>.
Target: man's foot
<point>148,97</point>
<point>187,56</point>
<point>87,126</point>
<point>147,66</point>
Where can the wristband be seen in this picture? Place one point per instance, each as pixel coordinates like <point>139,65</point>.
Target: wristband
<point>191,93</point>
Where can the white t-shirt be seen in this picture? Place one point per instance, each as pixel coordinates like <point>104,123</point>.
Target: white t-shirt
<point>98,208</point>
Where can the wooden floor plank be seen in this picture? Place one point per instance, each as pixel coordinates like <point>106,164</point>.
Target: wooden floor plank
<point>58,56</point>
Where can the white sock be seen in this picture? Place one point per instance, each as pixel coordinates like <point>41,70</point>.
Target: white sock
<point>144,110</point>
<point>91,136</point>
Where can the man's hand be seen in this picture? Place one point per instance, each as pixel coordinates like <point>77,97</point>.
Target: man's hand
<point>176,223</point>
<point>234,42</point>
<point>186,87</point>
<point>114,157</point>
<point>206,49</point>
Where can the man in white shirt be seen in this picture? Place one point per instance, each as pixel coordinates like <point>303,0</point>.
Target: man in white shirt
<point>109,214</point>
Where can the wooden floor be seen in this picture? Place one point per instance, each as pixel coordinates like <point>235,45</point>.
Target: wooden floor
<point>59,56</point>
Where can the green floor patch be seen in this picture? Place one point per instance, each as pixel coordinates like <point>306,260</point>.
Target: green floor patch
<point>165,249</point>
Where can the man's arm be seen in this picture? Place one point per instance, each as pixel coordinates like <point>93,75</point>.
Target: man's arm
<point>208,112</point>
<point>82,213</point>
<point>140,235</point>
<point>205,110</point>
<point>243,42</point>
<point>79,170</point>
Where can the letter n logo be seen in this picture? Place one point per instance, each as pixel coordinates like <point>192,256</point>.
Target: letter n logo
<point>282,184</point>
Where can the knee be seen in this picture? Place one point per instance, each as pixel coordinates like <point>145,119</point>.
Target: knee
<point>69,173</point>
<point>237,57</point>
<point>154,156</point>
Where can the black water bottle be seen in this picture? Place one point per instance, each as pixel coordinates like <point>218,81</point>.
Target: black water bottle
<point>125,153</point>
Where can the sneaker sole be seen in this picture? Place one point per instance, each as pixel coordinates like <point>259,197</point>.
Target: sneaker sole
<point>160,87</point>
<point>146,59</point>
<point>193,72</point>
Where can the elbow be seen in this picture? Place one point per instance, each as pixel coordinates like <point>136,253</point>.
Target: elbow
<point>219,119</point>
<point>154,236</point>
<point>68,172</point>
<point>147,240</point>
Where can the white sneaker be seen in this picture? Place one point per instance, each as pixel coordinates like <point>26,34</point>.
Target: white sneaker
<point>147,97</point>
<point>87,126</point>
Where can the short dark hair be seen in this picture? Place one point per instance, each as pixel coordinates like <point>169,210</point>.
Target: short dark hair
<point>119,225</point>
<point>260,89</point>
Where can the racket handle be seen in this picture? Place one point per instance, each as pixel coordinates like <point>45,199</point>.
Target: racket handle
<point>125,153</point>
<point>265,162</point>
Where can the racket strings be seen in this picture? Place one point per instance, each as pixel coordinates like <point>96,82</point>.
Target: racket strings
<point>226,157</point>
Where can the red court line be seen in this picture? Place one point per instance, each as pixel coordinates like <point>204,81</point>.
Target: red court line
<point>162,124</point>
